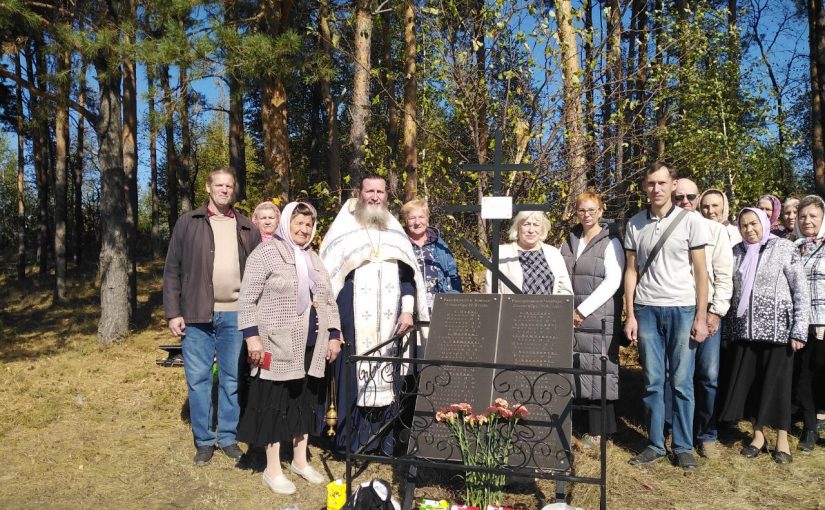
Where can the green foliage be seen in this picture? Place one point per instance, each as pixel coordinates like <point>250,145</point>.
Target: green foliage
<point>717,130</point>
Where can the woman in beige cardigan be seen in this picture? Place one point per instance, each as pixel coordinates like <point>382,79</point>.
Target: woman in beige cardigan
<point>533,266</point>
<point>289,318</point>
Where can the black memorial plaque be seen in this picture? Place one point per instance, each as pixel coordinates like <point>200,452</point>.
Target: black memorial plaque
<point>538,331</point>
<point>467,327</point>
<point>494,328</point>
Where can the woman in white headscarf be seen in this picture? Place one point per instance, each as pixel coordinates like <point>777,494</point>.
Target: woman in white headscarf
<point>290,322</point>
<point>768,319</point>
<point>715,206</point>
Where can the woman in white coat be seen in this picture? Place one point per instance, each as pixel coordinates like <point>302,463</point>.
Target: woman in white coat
<point>532,265</point>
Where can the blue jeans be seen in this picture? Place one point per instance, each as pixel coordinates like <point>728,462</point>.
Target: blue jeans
<point>705,384</point>
<point>665,349</point>
<point>706,380</point>
<point>200,346</point>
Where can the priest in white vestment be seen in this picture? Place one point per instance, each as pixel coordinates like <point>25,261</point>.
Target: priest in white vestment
<point>379,291</point>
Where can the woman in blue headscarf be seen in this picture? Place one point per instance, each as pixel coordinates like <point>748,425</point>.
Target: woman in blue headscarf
<point>770,308</point>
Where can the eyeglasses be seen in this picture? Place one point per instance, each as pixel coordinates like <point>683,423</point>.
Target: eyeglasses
<point>585,212</point>
<point>691,197</point>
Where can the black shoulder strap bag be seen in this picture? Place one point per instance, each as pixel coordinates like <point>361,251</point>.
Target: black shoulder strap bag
<point>661,242</point>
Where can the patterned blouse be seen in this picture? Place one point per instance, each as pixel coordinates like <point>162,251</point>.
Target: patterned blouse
<point>425,256</point>
<point>538,278</point>
<point>813,259</point>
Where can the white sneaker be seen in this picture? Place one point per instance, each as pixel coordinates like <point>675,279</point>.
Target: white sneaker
<point>280,484</point>
<point>308,473</point>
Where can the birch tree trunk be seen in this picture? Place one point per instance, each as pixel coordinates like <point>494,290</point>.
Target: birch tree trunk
<point>572,112</point>
<point>616,77</point>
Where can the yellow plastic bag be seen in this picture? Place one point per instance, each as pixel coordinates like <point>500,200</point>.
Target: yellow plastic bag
<point>336,495</point>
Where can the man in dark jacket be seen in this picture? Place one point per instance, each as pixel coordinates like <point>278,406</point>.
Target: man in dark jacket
<point>201,283</point>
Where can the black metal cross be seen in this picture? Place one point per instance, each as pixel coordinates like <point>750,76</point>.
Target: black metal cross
<point>497,167</point>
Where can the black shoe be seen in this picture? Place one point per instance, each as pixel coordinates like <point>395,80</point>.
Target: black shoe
<point>782,457</point>
<point>750,451</point>
<point>686,460</point>
<point>647,456</point>
<point>233,451</point>
<point>807,441</point>
<point>204,455</point>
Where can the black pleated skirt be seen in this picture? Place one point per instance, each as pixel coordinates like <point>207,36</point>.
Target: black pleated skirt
<point>281,410</point>
<point>760,384</point>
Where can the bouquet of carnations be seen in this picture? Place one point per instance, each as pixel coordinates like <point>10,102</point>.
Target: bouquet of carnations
<point>485,440</point>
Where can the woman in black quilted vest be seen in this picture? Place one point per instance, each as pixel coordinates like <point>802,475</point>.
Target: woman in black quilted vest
<point>595,261</point>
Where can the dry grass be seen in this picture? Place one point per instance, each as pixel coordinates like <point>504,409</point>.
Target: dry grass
<point>89,427</point>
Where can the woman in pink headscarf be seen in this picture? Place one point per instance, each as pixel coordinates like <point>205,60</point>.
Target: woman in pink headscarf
<point>768,320</point>
<point>772,207</point>
<point>290,322</point>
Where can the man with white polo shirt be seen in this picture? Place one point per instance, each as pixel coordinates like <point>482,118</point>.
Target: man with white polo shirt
<point>666,299</point>
<point>719,258</point>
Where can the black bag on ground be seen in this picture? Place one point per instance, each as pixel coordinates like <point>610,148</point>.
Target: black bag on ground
<point>373,495</point>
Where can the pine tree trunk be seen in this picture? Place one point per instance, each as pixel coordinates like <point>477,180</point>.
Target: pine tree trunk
<point>276,139</point>
<point>330,107</point>
<point>572,112</point>
<point>185,159</point>
<point>41,160</point>
<point>275,18</point>
<point>171,156</point>
<point>153,164</point>
<point>61,130</point>
<point>360,109</point>
<point>237,144</point>
<point>237,147</point>
<point>315,136</point>
<point>410,104</point>
<point>21,162</point>
<point>114,260</point>
<point>77,172</point>
<point>388,86</point>
<point>129,137</point>
<point>815,37</point>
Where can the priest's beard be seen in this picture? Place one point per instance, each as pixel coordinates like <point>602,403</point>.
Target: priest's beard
<point>371,216</point>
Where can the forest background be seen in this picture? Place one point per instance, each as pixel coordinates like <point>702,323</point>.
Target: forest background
<point>121,107</point>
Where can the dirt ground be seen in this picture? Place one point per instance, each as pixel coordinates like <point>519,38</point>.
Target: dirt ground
<point>87,427</point>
